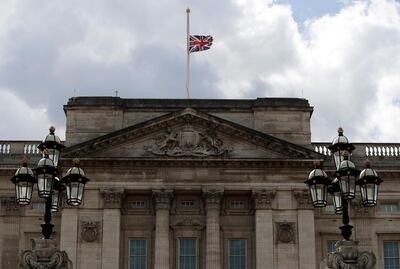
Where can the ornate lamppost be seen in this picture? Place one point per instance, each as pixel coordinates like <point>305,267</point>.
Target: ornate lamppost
<point>343,190</point>
<point>51,188</point>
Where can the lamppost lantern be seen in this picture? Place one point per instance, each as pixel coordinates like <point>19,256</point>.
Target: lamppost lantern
<point>369,182</point>
<point>334,190</point>
<point>347,175</point>
<point>50,186</point>
<point>53,145</point>
<point>318,183</point>
<point>343,187</point>
<point>74,181</point>
<point>45,173</point>
<point>340,145</point>
<point>23,180</point>
<point>56,195</point>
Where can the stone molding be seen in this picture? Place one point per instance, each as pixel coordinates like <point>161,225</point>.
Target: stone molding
<point>90,231</point>
<point>9,206</point>
<point>192,222</point>
<point>285,232</point>
<point>347,256</point>
<point>303,199</point>
<point>213,198</point>
<point>162,198</point>
<point>112,198</point>
<point>263,198</point>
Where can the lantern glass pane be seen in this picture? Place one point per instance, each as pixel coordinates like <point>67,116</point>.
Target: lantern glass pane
<point>318,194</point>
<point>54,155</point>
<point>369,194</point>
<point>338,158</point>
<point>337,202</point>
<point>23,192</point>
<point>75,193</point>
<point>347,186</point>
<point>45,185</point>
<point>55,200</point>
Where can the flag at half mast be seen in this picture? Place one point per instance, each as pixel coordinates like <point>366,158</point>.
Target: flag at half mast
<point>194,43</point>
<point>200,43</point>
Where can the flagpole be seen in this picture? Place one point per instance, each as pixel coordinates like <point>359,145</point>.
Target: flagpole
<point>187,53</point>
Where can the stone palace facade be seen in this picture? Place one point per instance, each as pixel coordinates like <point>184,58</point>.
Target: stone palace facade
<point>198,184</point>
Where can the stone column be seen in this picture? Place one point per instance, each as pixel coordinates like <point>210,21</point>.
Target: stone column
<point>110,252</point>
<point>264,229</point>
<point>162,203</point>
<point>306,229</point>
<point>69,233</point>
<point>212,199</point>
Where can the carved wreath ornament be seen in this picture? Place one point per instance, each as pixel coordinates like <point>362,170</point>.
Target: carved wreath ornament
<point>188,142</point>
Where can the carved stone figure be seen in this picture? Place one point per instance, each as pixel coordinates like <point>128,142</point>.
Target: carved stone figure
<point>188,142</point>
<point>45,256</point>
<point>347,256</point>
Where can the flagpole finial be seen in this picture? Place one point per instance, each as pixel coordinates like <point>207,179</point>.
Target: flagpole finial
<point>188,10</point>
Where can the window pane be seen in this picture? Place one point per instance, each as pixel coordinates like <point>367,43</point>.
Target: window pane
<point>237,254</point>
<point>391,255</point>
<point>137,254</point>
<point>187,253</point>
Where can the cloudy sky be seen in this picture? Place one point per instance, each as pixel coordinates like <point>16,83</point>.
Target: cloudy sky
<point>342,55</point>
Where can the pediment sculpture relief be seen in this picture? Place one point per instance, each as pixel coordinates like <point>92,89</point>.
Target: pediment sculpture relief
<point>188,142</point>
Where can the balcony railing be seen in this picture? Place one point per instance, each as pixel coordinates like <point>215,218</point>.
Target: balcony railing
<point>387,150</point>
<point>19,147</point>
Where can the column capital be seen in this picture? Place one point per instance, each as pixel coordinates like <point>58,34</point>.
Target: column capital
<point>303,199</point>
<point>162,198</point>
<point>263,198</point>
<point>213,198</point>
<point>112,198</point>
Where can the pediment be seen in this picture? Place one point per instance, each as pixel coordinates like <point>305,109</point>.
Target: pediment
<point>189,134</point>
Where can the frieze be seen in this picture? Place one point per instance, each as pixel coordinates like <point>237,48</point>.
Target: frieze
<point>285,232</point>
<point>112,198</point>
<point>90,231</point>
<point>263,198</point>
<point>162,199</point>
<point>303,199</point>
<point>188,142</point>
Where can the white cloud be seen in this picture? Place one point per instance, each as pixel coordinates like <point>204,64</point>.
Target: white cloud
<point>346,64</point>
<point>23,121</point>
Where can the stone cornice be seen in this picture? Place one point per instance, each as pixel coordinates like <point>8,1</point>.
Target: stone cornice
<point>263,198</point>
<point>162,198</point>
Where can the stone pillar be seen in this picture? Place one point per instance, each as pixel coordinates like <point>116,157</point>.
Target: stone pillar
<point>264,229</point>
<point>306,229</point>
<point>69,233</point>
<point>110,252</point>
<point>162,203</point>
<point>213,200</point>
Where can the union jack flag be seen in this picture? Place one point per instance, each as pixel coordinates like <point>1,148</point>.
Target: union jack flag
<point>199,42</point>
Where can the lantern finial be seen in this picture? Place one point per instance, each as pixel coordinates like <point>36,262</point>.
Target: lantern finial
<point>52,129</point>
<point>345,155</point>
<point>24,161</point>
<point>367,163</point>
<point>317,164</point>
<point>340,131</point>
<point>76,161</point>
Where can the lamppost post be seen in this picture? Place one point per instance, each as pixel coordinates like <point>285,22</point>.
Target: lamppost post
<point>343,190</point>
<point>50,187</point>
